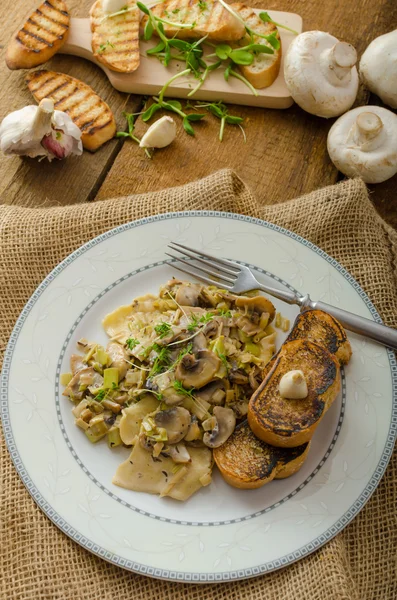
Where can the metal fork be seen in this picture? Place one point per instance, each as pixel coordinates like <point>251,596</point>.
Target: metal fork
<point>237,278</point>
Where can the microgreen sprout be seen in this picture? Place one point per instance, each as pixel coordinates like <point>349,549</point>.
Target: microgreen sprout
<point>179,387</point>
<point>219,110</point>
<point>130,117</point>
<point>157,20</point>
<point>266,18</point>
<point>124,10</point>
<point>131,343</point>
<point>163,329</point>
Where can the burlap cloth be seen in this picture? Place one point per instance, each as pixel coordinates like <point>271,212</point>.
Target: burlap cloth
<point>37,561</point>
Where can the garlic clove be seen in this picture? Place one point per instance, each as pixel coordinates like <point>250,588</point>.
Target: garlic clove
<point>112,6</point>
<point>160,134</point>
<point>293,385</point>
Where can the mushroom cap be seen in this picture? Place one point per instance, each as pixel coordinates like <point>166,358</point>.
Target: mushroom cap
<point>225,424</point>
<point>378,67</point>
<point>188,294</point>
<point>310,78</point>
<point>197,371</point>
<point>175,421</point>
<point>373,164</point>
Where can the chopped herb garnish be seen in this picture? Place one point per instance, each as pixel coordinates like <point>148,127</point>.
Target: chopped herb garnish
<point>100,396</point>
<point>103,47</point>
<point>161,361</point>
<point>179,387</point>
<point>163,329</point>
<point>225,313</point>
<point>114,386</point>
<point>176,11</point>
<point>193,323</point>
<point>224,360</point>
<point>202,5</point>
<point>206,318</point>
<point>131,343</point>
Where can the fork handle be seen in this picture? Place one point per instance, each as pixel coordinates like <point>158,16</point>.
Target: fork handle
<point>375,331</point>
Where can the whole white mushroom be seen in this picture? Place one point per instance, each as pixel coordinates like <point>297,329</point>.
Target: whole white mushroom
<point>378,67</point>
<point>320,74</point>
<point>363,143</point>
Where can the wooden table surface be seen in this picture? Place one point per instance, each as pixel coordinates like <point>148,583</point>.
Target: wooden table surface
<point>285,154</point>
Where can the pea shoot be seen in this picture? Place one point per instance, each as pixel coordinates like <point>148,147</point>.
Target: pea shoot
<point>219,110</point>
<point>266,18</point>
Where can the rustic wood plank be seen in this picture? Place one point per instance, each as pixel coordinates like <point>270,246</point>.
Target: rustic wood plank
<point>286,153</point>
<point>26,181</point>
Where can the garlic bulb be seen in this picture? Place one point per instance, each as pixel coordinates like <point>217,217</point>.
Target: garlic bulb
<point>363,143</point>
<point>378,67</point>
<point>40,131</point>
<point>320,74</point>
<point>160,134</point>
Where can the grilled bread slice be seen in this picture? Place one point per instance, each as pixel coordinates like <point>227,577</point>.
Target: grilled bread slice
<point>290,423</point>
<point>115,40</point>
<point>265,68</point>
<point>319,327</point>
<point>248,463</point>
<point>90,113</point>
<point>210,18</point>
<point>42,35</point>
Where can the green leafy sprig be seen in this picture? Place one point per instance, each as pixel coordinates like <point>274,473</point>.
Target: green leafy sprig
<point>219,110</point>
<point>266,18</point>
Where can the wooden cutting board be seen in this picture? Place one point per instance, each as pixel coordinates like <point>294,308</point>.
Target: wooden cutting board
<point>151,75</point>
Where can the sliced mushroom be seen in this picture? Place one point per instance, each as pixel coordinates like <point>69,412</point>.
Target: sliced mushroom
<point>188,294</point>
<point>73,389</point>
<point>239,377</point>
<point>254,378</point>
<point>171,397</point>
<point>211,330</point>
<point>118,357</point>
<point>199,342</point>
<point>76,363</point>
<point>257,304</point>
<point>195,371</point>
<point>179,454</point>
<point>175,421</point>
<point>194,432</point>
<point>223,429</point>
<point>214,392</point>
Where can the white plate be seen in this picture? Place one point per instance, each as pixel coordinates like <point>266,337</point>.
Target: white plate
<point>221,533</point>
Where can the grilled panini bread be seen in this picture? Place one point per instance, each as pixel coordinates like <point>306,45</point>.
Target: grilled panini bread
<point>319,327</point>
<point>210,18</point>
<point>42,35</point>
<point>90,113</point>
<point>265,68</point>
<point>290,423</point>
<point>248,463</point>
<point>115,40</point>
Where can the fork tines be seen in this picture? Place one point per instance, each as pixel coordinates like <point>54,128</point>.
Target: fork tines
<point>219,271</point>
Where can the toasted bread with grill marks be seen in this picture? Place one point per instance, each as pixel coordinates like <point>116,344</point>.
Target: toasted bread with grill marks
<point>290,423</point>
<point>115,40</point>
<point>321,328</point>
<point>247,462</point>
<point>210,18</point>
<point>42,35</point>
<point>90,113</point>
<point>265,68</point>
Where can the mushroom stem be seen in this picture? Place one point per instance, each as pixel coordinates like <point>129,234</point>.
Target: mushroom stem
<point>42,122</point>
<point>339,60</point>
<point>367,131</point>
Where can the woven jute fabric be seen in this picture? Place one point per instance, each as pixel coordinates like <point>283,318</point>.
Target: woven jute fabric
<point>38,561</point>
